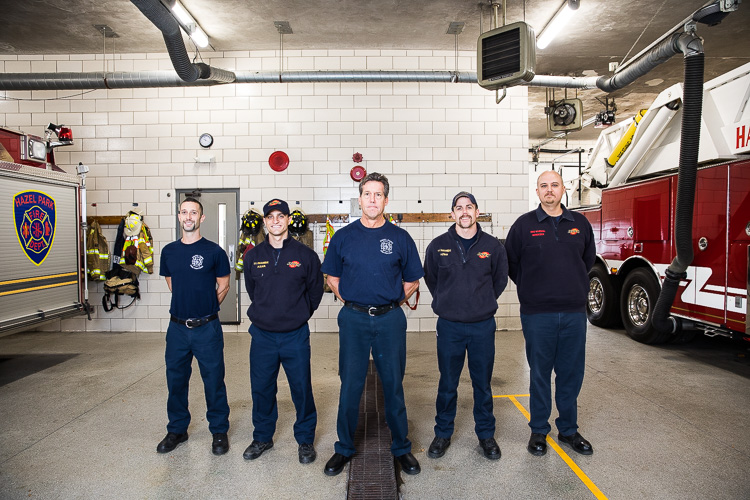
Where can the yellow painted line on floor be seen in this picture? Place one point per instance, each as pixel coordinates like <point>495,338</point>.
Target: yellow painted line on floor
<point>573,466</point>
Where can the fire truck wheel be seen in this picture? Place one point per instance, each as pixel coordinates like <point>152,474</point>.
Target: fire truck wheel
<point>639,293</point>
<point>602,307</point>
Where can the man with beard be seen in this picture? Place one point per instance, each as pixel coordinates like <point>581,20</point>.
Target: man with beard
<point>197,273</point>
<point>285,285</point>
<point>550,252</point>
<point>466,270</point>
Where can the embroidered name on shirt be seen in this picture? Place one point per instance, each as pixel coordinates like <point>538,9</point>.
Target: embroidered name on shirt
<point>293,264</point>
<point>574,231</point>
<point>537,232</point>
<point>444,252</point>
<point>197,262</point>
<point>386,246</point>
<point>260,264</point>
<point>483,255</point>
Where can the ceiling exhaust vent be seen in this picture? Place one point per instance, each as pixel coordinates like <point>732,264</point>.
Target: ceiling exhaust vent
<point>506,56</point>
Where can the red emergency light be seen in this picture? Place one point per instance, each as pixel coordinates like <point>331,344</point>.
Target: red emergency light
<point>65,134</point>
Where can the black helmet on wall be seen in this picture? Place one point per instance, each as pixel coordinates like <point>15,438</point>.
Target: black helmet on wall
<point>297,222</point>
<point>252,222</point>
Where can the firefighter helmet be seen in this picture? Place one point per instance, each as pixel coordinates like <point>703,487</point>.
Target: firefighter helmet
<point>133,223</point>
<point>252,222</point>
<point>297,222</point>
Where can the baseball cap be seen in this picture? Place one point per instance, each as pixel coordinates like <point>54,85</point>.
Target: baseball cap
<point>275,204</point>
<point>463,194</point>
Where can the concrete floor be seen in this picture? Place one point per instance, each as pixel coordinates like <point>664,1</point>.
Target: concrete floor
<point>81,414</point>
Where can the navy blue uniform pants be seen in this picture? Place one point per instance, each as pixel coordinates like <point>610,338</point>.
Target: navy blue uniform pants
<point>269,351</point>
<point>385,335</point>
<point>555,341</point>
<point>456,341</point>
<point>206,343</point>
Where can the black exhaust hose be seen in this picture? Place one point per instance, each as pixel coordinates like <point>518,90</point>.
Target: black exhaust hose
<point>162,19</point>
<point>692,104</point>
<point>686,43</point>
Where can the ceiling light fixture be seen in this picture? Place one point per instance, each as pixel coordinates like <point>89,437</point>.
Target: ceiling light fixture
<point>190,25</point>
<point>557,23</point>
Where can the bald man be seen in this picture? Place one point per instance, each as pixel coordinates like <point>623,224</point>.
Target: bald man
<point>550,252</point>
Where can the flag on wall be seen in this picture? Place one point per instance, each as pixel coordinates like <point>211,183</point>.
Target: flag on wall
<point>329,234</point>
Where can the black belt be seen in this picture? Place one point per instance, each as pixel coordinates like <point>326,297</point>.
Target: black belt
<point>371,310</point>
<point>194,322</point>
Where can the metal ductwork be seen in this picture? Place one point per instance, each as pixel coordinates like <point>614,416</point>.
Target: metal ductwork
<point>151,79</point>
<point>170,29</point>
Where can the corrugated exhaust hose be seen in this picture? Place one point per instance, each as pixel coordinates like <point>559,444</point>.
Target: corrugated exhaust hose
<point>692,104</point>
<point>170,29</point>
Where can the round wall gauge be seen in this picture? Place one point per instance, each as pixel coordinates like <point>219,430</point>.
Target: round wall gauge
<point>206,140</point>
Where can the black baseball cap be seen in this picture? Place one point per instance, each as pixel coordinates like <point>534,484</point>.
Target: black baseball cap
<point>463,194</point>
<point>275,204</point>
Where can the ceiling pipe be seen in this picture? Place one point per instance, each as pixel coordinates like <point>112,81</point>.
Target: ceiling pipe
<point>155,11</point>
<point>151,79</point>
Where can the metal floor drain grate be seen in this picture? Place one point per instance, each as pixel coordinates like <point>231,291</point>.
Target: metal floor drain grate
<point>372,473</point>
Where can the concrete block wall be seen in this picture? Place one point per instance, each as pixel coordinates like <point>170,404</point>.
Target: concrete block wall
<point>430,139</point>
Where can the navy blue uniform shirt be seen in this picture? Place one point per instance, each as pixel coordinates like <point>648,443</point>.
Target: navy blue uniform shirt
<point>465,284</point>
<point>193,269</point>
<point>372,263</point>
<point>549,262</point>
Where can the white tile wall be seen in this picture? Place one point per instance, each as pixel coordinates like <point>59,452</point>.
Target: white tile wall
<point>431,139</point>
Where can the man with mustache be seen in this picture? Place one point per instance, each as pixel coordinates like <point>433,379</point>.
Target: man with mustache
<point>466,270</point>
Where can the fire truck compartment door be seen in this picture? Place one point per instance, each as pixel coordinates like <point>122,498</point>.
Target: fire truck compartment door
<point>39,268</point>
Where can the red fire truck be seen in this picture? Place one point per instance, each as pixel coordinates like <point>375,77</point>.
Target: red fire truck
<point>629,191</point>
<point>41,275</point>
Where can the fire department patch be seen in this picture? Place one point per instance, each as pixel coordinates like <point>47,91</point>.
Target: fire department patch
<point>574,231</point>
<point>293,264</point>
<point>483,255</point>
<point>386,246</point>
<point>35,217</point>
<point>196,262</point>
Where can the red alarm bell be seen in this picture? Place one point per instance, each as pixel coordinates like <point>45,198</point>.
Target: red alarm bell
<point>358,173</point>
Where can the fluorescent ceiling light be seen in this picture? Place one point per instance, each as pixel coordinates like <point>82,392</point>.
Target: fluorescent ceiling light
<point>199,37</point>
<point>181,14</point>
<point>558,22</point>
<point>190,25</point>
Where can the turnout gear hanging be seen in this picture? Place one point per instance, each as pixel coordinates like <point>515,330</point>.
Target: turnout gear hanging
<point>122,280</point>
<point>298,228</point>
<point>97,253</point>
<point>133,232</point>
<point>251,234</point>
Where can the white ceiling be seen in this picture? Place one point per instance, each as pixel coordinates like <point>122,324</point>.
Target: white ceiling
<point>603,31</point>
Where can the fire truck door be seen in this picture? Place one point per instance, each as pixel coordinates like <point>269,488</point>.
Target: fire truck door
<point>706,293</point>
<point>738,262</point>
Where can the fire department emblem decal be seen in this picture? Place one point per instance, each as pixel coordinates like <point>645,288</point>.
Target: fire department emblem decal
<point>35,217</point>
<point>574,231</point>
<point>386,246</point>
<point>483,255</point>
<point>293,264</point>
<point>197,262</point>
